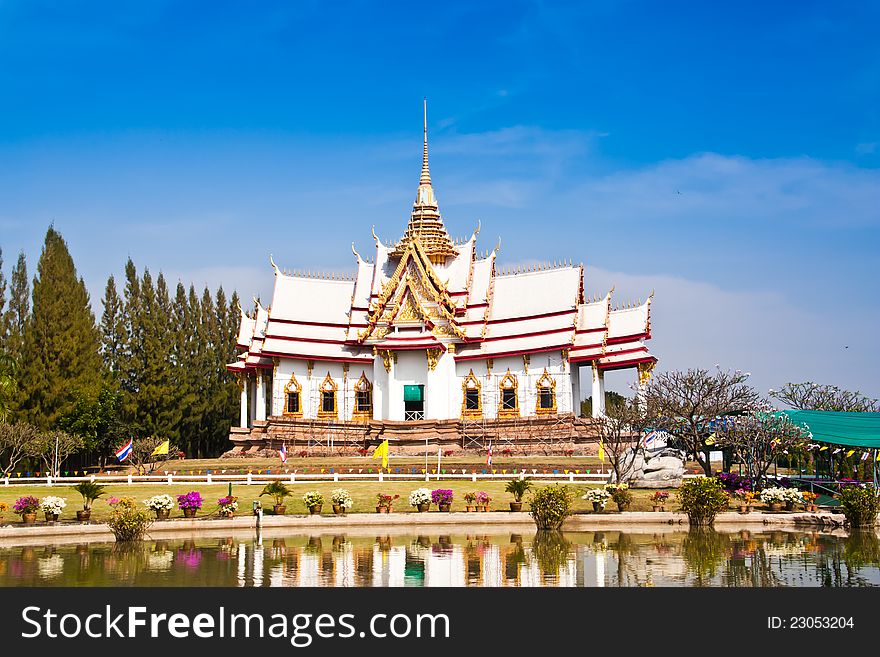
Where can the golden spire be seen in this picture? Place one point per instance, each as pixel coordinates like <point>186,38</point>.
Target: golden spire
<point>425,223</point>
<point>425,178</point>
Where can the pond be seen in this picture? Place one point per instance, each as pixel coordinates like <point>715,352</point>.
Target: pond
<point>437,558</point>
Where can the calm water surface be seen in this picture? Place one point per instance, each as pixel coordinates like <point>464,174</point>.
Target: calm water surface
<point>609,558</point>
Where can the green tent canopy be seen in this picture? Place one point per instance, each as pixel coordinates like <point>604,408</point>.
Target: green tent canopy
<point>840,428</point>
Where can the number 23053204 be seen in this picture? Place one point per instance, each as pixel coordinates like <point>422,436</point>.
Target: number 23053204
<point>810,623</point>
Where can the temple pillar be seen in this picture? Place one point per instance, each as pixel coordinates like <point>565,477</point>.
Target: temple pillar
<point>598,391</point>
<point>575,389</point>
<point>261,397</point>
<point>243,384</point>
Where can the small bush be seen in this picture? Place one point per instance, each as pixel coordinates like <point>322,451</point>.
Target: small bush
<point>550,506</point>
<point>859,504</point>
<point>518,488</point>
<point>127,522</point>
<point>702,499</point>
<point>278,490</point>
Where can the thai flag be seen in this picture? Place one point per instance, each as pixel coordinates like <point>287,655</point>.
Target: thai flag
<point>650,438</point>
<point>283,453</point>
<point>489,455</point>
<point>125,451</point>
<point>865,456</point>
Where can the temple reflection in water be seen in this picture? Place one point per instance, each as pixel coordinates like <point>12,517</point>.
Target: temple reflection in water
<point>612,558</point>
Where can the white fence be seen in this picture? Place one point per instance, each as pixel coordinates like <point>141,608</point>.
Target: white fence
<point>294,477</point>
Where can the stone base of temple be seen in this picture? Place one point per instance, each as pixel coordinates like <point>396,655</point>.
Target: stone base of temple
<point>543,434</point>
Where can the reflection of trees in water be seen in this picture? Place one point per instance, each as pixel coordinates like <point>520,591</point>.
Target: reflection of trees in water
<point>552,551</point>
<point>704,550</point>
<point>514,558</point>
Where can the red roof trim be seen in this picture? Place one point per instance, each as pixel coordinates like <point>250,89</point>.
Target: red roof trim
<point>526,335</point>
<point>625,351</point>
<point>627,338</point>
<point>305,323</point>
<point>593,330</point>
<point>626,364</point>
<point>335,359</point>
<point>587,346</point>
<point>298,339</point>
<point>518,352</point>
<point>524,318</point>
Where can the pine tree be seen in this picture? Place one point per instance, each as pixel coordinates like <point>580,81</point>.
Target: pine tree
<point>61,354</point>
<point>2,305</point>
<point>18,309</point>
<point>187,385</point>
<point>112,330</point>
<point>131,356</point>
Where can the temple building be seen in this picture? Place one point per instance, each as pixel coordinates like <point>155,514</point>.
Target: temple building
<point>431,340</point>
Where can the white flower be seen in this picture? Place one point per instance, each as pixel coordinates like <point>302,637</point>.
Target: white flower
<point>775,494</point>
<point>420,496</point>
<point>52,504</point>
<point>341,497</point>
<point>599,495</point>
<point>160,502</point>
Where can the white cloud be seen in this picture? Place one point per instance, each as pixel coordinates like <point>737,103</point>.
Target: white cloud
<point>696,324</point>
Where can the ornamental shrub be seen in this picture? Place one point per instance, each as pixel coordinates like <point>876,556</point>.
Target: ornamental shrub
<point>859,504</point>
<point>702,499</point>
<point>127,522</point>
<point>441,496</point>
<point>550,506</point>
<point>341,497</point>
<point>420,496</point>
<point>313,498</point>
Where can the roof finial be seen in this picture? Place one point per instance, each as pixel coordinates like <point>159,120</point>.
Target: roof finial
<point>425,178</point>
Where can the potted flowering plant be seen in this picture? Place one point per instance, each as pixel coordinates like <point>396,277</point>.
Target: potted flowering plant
<point>792,497</point>
<point>774,497</point>
<point>161,504</point>
<point>314,501</point>
<point>52,507</point>
<point>421,499</point>
<point>621,495</point>
<point>228,506</point>
<point>598,496</point>
<point>27,507</point>
<point>190,503</point>
<point>745,499</point>
<point>482,501</point>
<point>810,500</point>
<point>384,502</point>
<point>442,497</point>
<point>658,498</point>
<point>341,500</point>
<point>470,499</point>
<point>90,491</point>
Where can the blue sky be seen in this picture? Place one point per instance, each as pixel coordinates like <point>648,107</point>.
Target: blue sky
<point>725,154</point>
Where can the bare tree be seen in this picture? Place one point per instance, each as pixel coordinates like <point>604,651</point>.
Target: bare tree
<point>811,396</point>
<point>620,429</point>
<point>53,448</point>
<point>142,454</point>
<point>14,439</point>
<point>688,405</point>
<point>758,439</point>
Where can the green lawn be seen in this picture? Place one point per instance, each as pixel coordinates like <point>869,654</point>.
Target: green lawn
<point>362,492</point>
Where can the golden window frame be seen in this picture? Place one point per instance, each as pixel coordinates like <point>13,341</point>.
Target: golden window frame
<point>363,385</point>
<point>471,382</point>
<point>546,382</point>
<point>327,385</point>
<point>292,386</point>
<point>508,382</point>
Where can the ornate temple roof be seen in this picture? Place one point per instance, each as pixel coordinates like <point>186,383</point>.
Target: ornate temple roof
<point>428,291</point>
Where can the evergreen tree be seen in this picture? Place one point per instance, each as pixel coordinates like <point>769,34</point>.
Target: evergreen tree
<point>2,305</point>
<point>18,309</point>
<point>186,382</point>
<point>112,330</point>
<point>130,362</point>
<point>61,348</point>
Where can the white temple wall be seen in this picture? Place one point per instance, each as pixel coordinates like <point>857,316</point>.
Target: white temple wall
<point>310,396</point>
<point>411,368</point>
<point>441,388</point>
<point>380,389</point>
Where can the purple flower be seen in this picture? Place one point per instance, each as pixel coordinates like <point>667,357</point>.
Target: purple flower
<point>190,500</point>
<point>441,496</point>
<point>27,504</point>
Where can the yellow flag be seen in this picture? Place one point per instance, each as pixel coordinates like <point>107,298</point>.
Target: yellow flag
<point>850,453</point>
<point>711,439</point>
<point>823,448</point>
<point>382,450</point>
<point>601,451</point>
<point>161,449</point>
